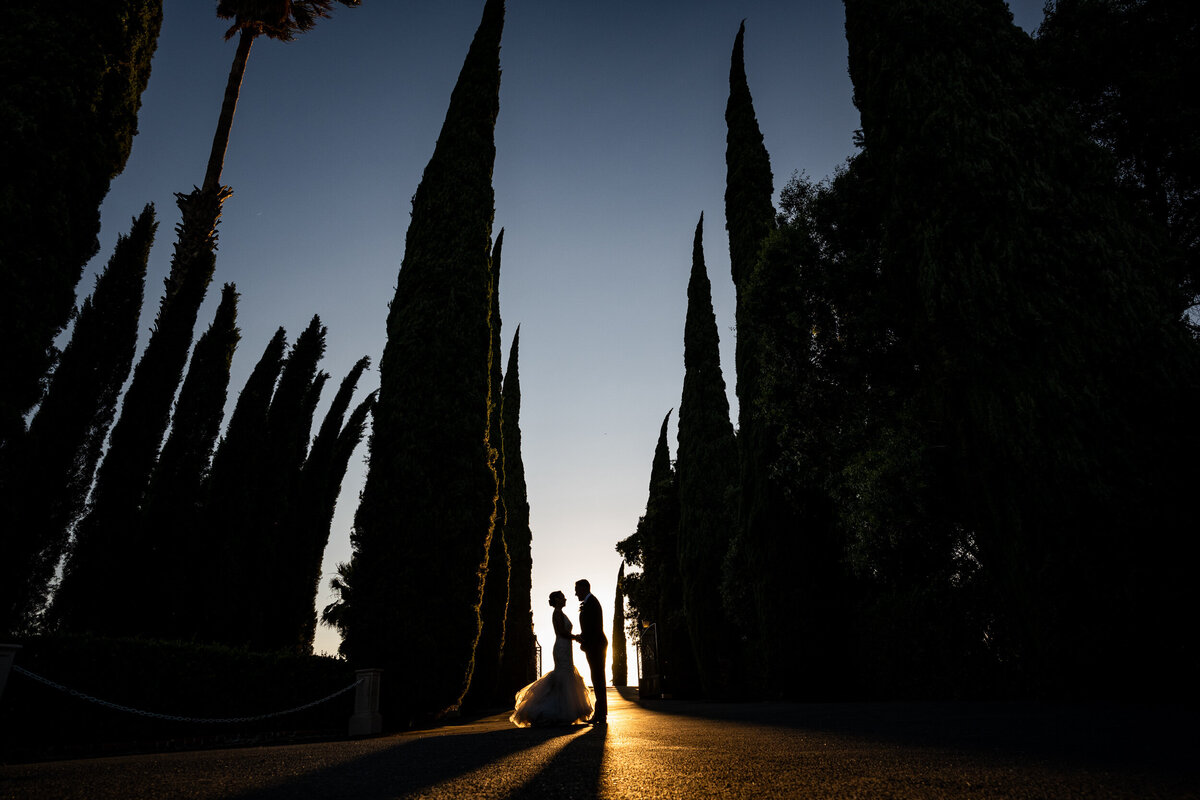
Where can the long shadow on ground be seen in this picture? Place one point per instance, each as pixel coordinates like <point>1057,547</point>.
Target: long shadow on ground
<point>1115,735</point>
<point>411,765</point>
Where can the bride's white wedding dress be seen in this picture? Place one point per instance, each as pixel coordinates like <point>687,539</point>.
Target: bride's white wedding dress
<point>559,697</point>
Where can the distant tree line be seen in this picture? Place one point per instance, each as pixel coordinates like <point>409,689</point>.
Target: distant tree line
<point>966,372</point>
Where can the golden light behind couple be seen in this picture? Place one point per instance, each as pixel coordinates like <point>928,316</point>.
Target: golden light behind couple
<point>560,697</point>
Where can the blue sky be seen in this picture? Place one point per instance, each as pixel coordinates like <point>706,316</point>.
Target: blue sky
<point>610,143</point>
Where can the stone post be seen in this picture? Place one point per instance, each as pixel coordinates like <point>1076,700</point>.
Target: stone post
<point>367,720</point>
<point>7,653</point>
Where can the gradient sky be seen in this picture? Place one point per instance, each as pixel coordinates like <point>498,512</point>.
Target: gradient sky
<point>610,143</point>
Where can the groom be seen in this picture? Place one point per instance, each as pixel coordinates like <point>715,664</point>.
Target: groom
<point>594,643</point>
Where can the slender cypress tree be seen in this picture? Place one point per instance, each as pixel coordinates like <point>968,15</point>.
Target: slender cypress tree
<point>1059,378</point>
<point>657,595</point>
<point>520,653</point>
<point>106,542</point>
<point>494,609</point>
<point>620,661</point>
<point>767,526</point>
<point>171,512</point>
<point>229,491</point>
<point>183,464</point>
<point>312,511</point>
<point>707,468</point>
<point>45,497</point>
<point>266,537</point>
<point>424,526</point>
<point>73,75</point>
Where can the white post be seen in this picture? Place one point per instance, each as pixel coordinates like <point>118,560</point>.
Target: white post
<point>366,720</point>
<point>7,653</point>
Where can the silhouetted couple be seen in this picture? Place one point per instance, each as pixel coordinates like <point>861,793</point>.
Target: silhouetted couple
<point>559,697</point>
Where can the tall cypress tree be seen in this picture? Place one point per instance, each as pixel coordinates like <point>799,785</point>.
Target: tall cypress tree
<point>170,514</point>
<point>1057,374</point>
<point>707,467</point>
<point>311,515</point>
<point>424,525</point>
<point>73,74</point>
<point>45,497</point>
<point>230,489</point>
<point>520,652</point>
<point>767,524</point>
<point>657,594</point>
<point>106,542</point>
<point>490,650</point>
<point>620,661</point>
<point>266,537</point>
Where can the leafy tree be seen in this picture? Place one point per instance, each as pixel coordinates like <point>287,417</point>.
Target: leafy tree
<point>489,653</point>
<point>1128,68</point>
<point>73,75</point>
<point>1055,372</point>
<point>170,515</point>
<point>338,614</point>
<point>424,526</point>
<point>519,667</point>
<point>620,662</point>
<point>707,472</point>
<point>52,467</point>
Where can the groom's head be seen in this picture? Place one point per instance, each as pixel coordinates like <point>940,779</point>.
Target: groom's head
<point>582,588</point>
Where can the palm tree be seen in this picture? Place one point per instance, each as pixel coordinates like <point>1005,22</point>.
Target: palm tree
<point>275,19</point>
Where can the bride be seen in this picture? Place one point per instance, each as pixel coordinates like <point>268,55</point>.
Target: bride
<point>558,697</point>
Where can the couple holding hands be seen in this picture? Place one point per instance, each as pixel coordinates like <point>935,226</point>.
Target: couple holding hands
<point>559,697</point>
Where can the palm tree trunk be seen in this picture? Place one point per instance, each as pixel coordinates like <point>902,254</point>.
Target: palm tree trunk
<point>216,159</point>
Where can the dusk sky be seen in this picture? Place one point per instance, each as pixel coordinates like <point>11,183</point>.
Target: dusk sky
<point>610,143</point>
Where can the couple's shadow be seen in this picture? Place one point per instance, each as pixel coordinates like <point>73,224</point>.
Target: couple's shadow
<point>411,766</point>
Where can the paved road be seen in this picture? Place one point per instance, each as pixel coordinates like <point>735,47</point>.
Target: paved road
<point>677,750</point>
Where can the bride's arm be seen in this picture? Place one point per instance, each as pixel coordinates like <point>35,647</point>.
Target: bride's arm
<point>561,627</point>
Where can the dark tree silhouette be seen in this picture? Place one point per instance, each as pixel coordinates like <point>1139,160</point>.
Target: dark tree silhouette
<point>275,19</point>
<point>1129,68</point>
<point>707,468</point>
<point>620,661</point>
<point>768,524</point>
<point>489,653</point>
<point>265,533</point>
<point>107,541</point>
<point>231,489</point>
<point>312,510</point>
<point>1054,366</point>
<point>73,75</point>
<point>656,596</point>
<point>171,510</point>
<point>52,467</point>
<point>424,525</point>
<point>519,667</point>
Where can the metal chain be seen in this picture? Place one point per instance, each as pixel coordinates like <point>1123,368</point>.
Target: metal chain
<point>155,715</point>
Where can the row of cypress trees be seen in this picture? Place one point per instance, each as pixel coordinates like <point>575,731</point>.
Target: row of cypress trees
<point>174,516</point>
<point>965,385</point>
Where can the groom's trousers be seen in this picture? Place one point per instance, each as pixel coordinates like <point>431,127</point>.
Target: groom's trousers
<point>596,659</point>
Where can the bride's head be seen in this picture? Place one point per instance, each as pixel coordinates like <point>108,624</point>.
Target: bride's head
<point>558,599</point>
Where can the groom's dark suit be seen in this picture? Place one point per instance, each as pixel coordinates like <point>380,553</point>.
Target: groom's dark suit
<point>595,647</point>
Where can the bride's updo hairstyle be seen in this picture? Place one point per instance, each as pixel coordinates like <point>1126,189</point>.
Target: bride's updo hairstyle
<point>558,599</point>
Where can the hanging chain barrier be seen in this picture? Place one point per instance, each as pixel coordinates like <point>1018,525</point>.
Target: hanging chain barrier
<point>154,715</point>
